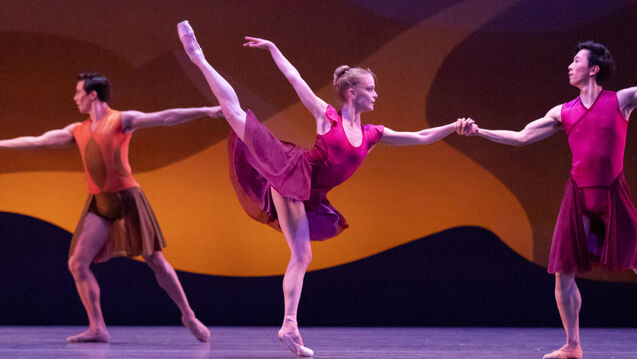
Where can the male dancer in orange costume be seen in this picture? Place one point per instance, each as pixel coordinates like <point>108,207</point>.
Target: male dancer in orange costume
<point>117,219</point>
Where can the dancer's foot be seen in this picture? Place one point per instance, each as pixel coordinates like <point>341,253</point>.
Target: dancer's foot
<point>189,41</point>
<point>90,336</point>
<point>196,328</point>
<point>292,340</point>
<point>565,352</point>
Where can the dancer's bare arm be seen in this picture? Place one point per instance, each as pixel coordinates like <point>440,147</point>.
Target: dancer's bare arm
<point>423,137</point>
<point>627,100</point>
<point>53,138</point>
<point>135,120</point>
<point>313,103</point>
<point>533,132</point>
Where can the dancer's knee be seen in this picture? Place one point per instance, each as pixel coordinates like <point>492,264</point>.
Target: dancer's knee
<point>234,114</point>
<point>302,257</point>
<point>78,267</point>
<point>564,282</point>
<point>156,261</point>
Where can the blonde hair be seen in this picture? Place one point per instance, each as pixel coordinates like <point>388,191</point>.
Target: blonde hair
<point>346,77</point>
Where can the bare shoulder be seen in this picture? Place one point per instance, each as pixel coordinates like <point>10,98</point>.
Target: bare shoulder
<point>627,91</point>
<point>130,114</point>
<point>325,118</point>
<point>627,96</point>
<point>555,113</point>
<point>127,117</point>
<point>627,100</point>
<point>71,126</point>
<point>60,136</point>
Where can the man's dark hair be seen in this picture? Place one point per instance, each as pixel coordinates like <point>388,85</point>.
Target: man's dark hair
<point>94,81</point>
<point>598,55</point>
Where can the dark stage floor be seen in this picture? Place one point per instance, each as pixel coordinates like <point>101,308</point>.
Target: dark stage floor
<point>261,342</point>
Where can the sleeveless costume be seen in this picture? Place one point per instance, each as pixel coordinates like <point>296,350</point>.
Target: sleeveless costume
<point>262,162</point>
<point>113,192</point>
<point>597,188</point>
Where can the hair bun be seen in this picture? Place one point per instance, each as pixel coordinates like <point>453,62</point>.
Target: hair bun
<point>340,71</point>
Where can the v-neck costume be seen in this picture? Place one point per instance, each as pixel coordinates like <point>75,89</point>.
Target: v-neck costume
<point>262,162</point>
<point>598,189</point>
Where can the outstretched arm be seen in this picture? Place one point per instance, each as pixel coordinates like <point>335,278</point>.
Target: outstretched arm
<point>53,138</point>
<point>313,103</point>
<point>423,137</point>
<point>533,132</point>
<point>134,120</point>
<point>627,99</point>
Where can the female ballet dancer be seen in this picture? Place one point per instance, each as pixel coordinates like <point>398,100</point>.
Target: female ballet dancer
<point>284,185</point>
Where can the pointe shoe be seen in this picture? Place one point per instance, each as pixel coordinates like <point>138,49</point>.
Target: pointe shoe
<point>296,348</point>
<point>197,329</point>
<point>189,41</point>
<point>89,337</point>
<point>565,352</point>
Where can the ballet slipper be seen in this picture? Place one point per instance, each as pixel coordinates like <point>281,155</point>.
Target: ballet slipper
<point>565,352</point>
<point>90,336</point>
<point>189,41</point>
<point>298,349</point>
<point>197,329</point>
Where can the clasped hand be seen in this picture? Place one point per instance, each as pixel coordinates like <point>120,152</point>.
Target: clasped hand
<point>466,127</point>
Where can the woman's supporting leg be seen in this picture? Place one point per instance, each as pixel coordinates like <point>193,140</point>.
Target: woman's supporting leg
<point>295,227</point>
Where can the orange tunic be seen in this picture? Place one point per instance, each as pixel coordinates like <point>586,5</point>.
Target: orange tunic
<point>104,152</point>
<point>114,193</point>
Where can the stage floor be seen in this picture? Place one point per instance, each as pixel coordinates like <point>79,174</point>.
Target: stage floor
<point>355,343</point>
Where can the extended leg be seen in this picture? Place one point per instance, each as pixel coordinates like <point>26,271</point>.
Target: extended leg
<point>92,239</point>
<point>167,279</point>
<point>226,95</point>
<point>293,221</point>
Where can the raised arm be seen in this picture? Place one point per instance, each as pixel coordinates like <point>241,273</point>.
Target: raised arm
<point>533,132</point>
<point>135,120</point>
<point>53,138</point>
<point>313,103</point>
<point>627,99</point>
<point>423,137</point>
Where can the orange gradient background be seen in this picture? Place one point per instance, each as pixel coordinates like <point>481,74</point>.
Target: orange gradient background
<point>399,195</point>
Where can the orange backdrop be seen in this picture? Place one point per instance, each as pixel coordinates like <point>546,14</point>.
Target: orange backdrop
<point>434,63</point>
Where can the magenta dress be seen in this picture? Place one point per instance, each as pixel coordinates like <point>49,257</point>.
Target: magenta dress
<point>262,162</point>
<point>597,188</point>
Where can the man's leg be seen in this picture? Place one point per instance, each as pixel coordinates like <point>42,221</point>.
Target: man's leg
<point>167,279</point>
<point>569,302</point>
<point>93,237</point>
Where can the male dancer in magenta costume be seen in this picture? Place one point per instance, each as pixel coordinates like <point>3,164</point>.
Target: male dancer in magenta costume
<point>597,222</point>
<point>285,186</point>
<point>117,220</point>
